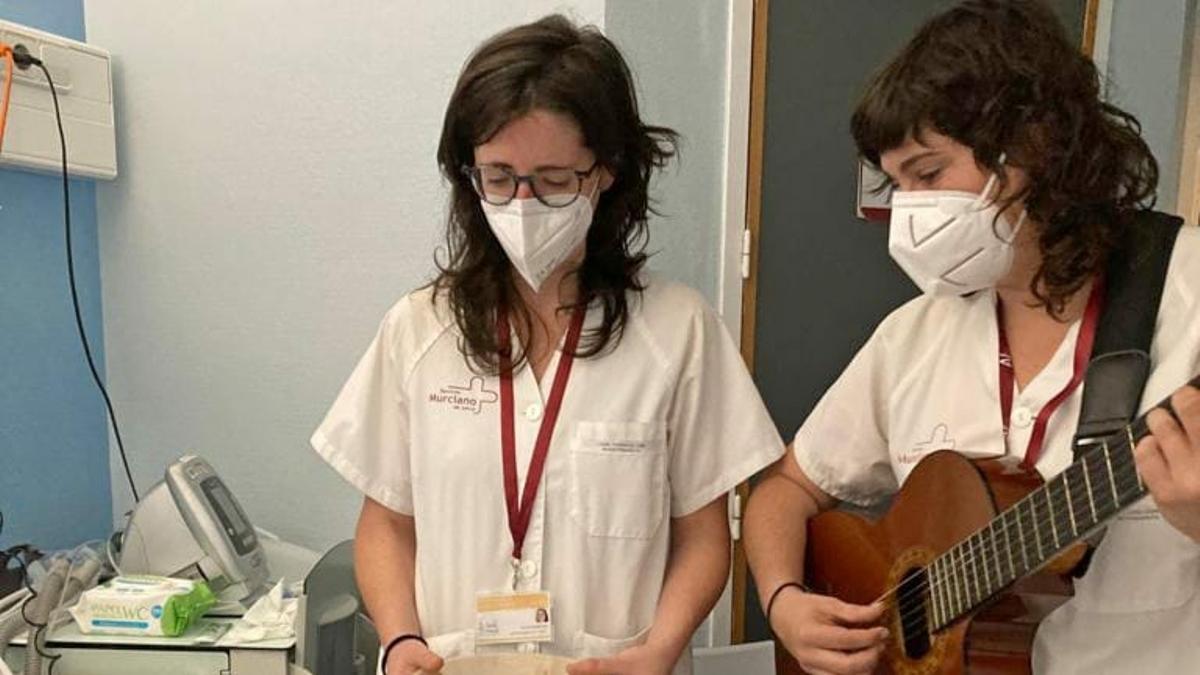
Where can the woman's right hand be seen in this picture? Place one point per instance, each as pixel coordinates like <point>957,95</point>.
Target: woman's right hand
<point>411,657</point>
<point>827,636</point>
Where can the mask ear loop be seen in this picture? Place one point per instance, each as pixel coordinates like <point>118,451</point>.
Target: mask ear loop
<point>595,194</point>
<point>1016,228</point>
<point>984,201</point>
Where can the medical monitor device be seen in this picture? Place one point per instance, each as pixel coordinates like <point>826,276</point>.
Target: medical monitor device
<point>190,525</point>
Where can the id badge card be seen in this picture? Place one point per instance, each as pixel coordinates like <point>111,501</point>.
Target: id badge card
<point>509,618</point>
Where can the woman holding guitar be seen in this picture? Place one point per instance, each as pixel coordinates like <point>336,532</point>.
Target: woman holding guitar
<point>1016,186</point>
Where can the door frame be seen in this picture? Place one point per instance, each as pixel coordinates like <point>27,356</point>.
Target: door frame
<point>736,199</point>
<point>722,627</point>
<point>746,264</point>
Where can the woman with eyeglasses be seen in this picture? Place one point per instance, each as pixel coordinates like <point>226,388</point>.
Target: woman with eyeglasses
<point>546,430</point>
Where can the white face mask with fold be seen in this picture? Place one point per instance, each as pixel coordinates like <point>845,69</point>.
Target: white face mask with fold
<point>949,242</point>
<point>538,238</point>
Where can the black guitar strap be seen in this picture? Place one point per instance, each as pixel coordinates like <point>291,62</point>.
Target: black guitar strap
<point>1120,361</point>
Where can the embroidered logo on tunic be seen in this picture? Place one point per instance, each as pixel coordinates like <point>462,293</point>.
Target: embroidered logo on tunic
<point>470,398</point>
<point>939,439</point>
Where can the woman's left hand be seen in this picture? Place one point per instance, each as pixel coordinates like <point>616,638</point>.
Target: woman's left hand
<point>1169,461</point>
<point>640,660</point>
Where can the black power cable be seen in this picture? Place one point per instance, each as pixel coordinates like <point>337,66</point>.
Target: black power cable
<point>18,554</point>
<point>24,60</point>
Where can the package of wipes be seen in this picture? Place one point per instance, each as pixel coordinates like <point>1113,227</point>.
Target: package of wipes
<point>142,605</point>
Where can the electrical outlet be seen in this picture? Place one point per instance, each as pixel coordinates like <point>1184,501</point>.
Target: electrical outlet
<point>82,77</point>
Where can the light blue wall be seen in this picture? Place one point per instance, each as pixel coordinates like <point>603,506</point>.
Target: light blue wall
<point>54,479</point>
<point>677,51</point>
<point>1148,50</point>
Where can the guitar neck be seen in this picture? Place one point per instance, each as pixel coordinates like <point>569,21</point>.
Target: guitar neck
<point>1022,539</point>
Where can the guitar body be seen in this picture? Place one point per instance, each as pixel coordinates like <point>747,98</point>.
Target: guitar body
<point>945,499</point>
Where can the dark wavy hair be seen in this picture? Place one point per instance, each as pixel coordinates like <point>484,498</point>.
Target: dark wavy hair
<point>553,65</point>
<point>1001,76</point>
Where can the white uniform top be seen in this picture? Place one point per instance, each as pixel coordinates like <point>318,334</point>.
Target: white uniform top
<point>928,380</point>
<point>654,429</point>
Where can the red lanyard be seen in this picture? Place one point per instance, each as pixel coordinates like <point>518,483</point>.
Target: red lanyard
<point>1083,353</point>
<point>519,514</point>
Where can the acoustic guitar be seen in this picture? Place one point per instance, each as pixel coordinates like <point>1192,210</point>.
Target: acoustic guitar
<point>972,554</point>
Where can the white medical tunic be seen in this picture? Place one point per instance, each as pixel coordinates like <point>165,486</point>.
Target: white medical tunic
<point>927,380</point>
<point>656,428</point>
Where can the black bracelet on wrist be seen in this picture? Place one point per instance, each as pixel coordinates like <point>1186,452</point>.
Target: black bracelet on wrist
<point>775,595</point>
<point>396,641</point>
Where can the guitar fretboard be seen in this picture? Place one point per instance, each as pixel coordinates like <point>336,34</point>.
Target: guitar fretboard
<point>1031,533</point>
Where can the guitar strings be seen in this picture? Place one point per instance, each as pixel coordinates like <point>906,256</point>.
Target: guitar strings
<point>946,578</point>
<point>1121,469</point>
<point>910,618</point>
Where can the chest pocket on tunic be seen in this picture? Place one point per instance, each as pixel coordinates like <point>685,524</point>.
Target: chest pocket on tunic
<point>1142,565</point>
<point>618,478</point>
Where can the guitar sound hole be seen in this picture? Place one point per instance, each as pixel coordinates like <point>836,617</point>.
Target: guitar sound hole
<point>911,599</point>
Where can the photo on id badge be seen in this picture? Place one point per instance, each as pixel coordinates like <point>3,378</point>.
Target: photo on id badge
<point>504,618</point>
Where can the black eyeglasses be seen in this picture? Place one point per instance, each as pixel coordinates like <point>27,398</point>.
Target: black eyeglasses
<point>556,188</point>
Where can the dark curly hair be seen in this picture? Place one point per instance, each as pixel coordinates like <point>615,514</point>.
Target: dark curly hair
<point>553,65</point>
<point>1001,76</point>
